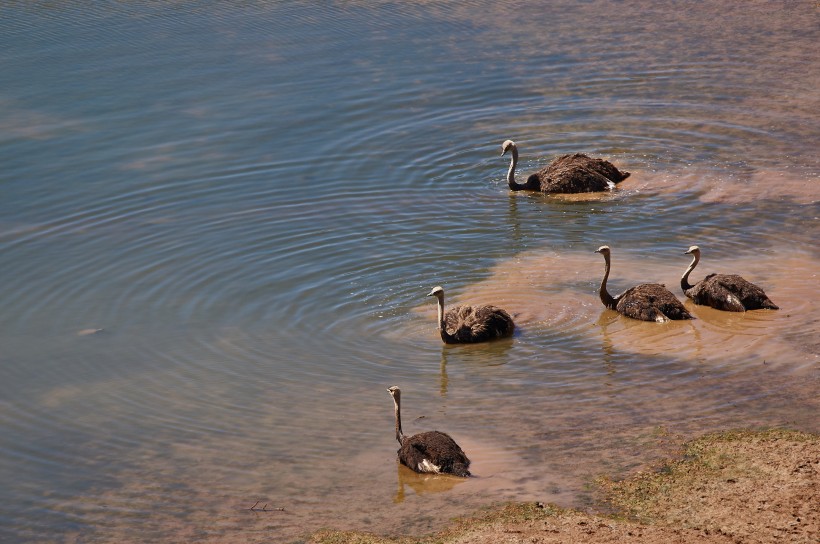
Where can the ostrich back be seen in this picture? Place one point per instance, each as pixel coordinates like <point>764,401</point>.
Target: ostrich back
<point>577,173</point>
<point>467,324</point>
<point>651,302</point>
<point>729,292</point>
<point>434,451</point>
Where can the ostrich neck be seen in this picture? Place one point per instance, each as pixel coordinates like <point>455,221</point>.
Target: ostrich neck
<point>511,172</point>
<point>606,298</point>
<point>442,324</point>
<point>684,280</point>
<point>399,434</point>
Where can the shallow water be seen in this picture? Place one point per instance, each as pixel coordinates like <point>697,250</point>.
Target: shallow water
<point>218,225</point>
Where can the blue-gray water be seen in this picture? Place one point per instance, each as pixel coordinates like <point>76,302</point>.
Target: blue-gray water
<point>251,200</point>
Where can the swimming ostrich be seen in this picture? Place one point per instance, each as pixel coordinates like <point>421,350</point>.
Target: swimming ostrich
<point>647,301</point>
<point>470,324</point>
<point>431,451</point>
<point>571,173</point>
<point>727,292</point>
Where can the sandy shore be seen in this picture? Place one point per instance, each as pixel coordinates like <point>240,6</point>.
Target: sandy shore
<point>737,486</point>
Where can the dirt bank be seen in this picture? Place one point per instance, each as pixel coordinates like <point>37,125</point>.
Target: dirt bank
<point>738,486</point>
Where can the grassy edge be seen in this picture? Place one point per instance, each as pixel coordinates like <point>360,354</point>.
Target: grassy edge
<point>637,497</point>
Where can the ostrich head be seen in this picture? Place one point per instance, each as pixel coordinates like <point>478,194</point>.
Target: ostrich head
<point>437,292</point>
<point>603,250</point>
<point>394,391</point>
<point>506,146</point>
<point>693,250</point>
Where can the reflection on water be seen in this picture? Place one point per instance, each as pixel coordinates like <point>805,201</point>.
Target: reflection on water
<point>218,227</point>
<point>444,381</point>
<point>423,483</point>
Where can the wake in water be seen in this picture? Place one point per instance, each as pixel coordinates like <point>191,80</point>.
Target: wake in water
<point>749,188</point>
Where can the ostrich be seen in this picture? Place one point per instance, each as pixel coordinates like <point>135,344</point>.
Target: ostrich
<point>647,301</point>
<point>571,173</point>
<point>431,451</point>
<point>727,292</point>
<point>470,324</point>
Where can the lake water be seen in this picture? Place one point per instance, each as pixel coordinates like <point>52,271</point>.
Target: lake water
<point>219,222</point>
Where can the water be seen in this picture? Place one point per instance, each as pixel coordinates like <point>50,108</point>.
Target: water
<point>218,224</point>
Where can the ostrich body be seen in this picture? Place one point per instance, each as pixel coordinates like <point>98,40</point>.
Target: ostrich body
<point>431,451</point>
<point>727,292</point>
<point>470,324</point>
<point>647,301</point>
<point>571,173</point>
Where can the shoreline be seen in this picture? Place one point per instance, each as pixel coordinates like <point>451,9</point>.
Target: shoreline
<point>731,486</point>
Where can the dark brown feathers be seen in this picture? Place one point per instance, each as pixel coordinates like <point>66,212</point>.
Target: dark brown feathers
<point>577,173</point>
<point>647,301</point>
<point>728,292</point>
<point>470,324</point>
<point>650,302</point>
<point>431,451</point>
<point>571,173</point>
<point>434,451</point>
<point>467,324</point>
